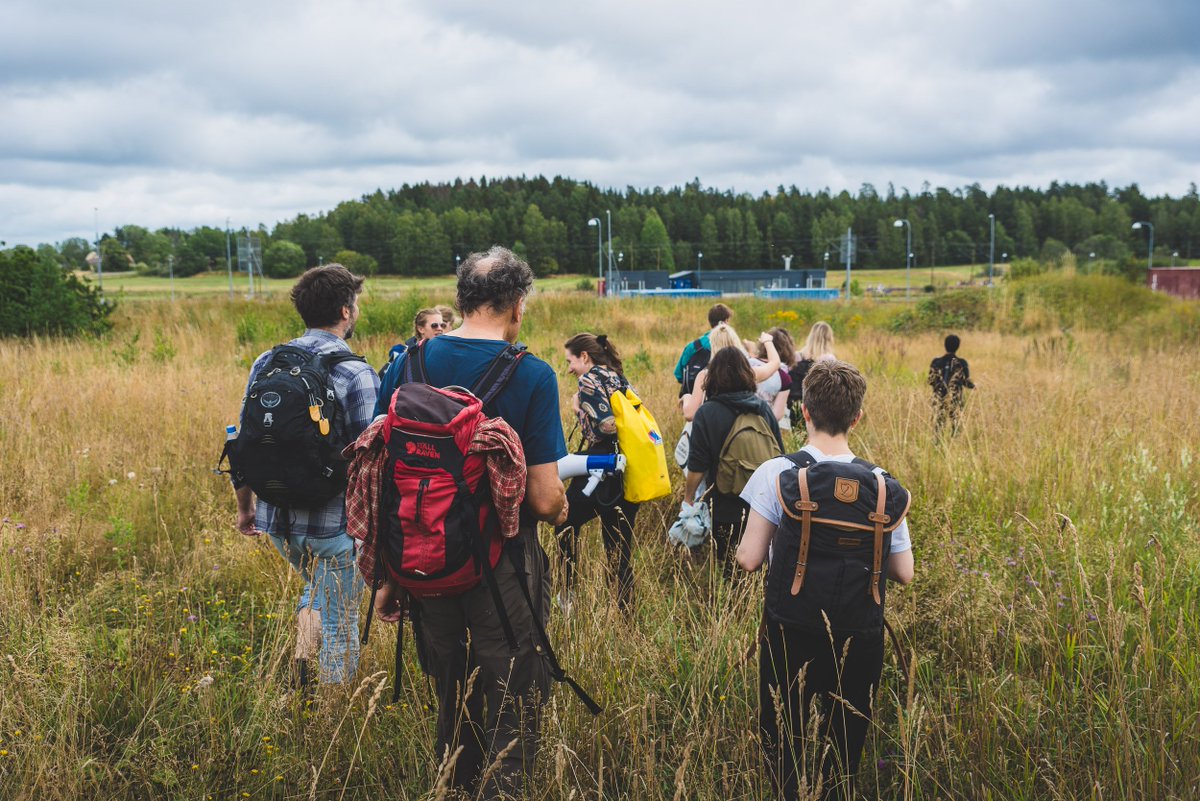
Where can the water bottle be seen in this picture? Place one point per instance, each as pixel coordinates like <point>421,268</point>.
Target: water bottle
<point>230,433</point>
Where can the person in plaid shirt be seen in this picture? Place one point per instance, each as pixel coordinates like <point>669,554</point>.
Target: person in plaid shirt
<point>489,697</point>
<point>317,545</point>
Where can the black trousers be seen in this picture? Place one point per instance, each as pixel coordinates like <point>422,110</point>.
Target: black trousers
<point>617,516</point>
<point>796,667</point>
<point>489,696</point>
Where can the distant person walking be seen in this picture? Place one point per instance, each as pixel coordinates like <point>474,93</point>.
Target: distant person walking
<point>734,432</point>
<point>949,375</point>
<point>818,346</point>
<point>721,337</point>
<point>594,360</point>
<point>697,353</point>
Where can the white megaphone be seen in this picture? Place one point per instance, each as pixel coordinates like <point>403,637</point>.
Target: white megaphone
<point>596,467</point>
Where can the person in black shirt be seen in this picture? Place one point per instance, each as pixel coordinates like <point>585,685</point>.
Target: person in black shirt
<point>949,375</point>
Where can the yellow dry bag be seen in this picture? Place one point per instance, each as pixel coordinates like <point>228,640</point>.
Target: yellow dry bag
<point>642,445</point>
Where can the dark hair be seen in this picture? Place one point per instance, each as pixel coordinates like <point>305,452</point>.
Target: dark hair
<point>497,279</point>
<point>952,343</point>
<point>601,351</point>
<point>321,293</point>
<point>784,346</point>
<point>720,313</point>
<point>729,371</point>
<point>833,395</point>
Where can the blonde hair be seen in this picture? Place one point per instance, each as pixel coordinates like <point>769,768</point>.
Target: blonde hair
<point>724,336</point>
<point>819,343</point>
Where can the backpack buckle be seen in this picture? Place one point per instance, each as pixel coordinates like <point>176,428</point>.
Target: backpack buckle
<point>876,517</point>
<point>327,472</point>
<point>295,371</point>
<point>805,506</point>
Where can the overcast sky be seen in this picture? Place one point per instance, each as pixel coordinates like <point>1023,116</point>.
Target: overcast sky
<point>185,113</point>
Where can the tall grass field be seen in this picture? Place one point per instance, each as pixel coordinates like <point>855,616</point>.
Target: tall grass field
<point>1053,628</point>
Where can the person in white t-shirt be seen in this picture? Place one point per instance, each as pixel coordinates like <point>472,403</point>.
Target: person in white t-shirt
<point>796,664</point>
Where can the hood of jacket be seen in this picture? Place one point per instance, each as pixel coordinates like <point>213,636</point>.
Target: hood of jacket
<point>740,402</point>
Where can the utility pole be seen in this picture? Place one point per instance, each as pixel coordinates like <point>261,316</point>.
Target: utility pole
<point>99,255</point>
<point>849,257</point>
<point>991,247</point>
<point>171,272</point>
<point>608,288</point>
<point>228,258</point>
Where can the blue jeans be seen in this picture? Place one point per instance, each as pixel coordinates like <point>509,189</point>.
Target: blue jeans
<point>332,587</point>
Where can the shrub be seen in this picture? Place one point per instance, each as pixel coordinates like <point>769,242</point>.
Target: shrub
<point>284,259</point>
<point>961,308</point>
<point>38,297</point>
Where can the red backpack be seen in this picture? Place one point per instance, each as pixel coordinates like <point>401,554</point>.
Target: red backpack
<point>438,534</point>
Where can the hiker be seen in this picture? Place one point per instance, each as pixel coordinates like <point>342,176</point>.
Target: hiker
<point>724,336</point>
<point>949,375</point>
<point>490,690</point>
<point>696,354</point>
<point>776,389</point>
<point>733,432</point>
<point>427,324</point>
<point>312,538</point>
<point>448,317</point>
<point>825,571</point>
<point>594,360</point>
<point>818,346</point>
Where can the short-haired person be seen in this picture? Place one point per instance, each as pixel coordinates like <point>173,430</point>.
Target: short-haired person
<point>721,337</point>
<point>795,663</point>
<point>949,375</point>
<point>490,697</point>
<point>732,393</point>
<point>316,543</point>
<point>595,361</point>
<point>698,351</point>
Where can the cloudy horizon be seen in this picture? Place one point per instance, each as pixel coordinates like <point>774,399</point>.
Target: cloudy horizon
<point>181,115</point>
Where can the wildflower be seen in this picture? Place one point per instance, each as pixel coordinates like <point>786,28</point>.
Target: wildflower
<point>204,682</point>
<point>191,618</point>
<point>112,481</point>
<point>882,764</point>
<point>17,733</point>
<point>195,766</point>
<point>3,752</point>
<point>266,739</point>
<point>183,630</point>
<point>254,772</point>
<point>278,778</point>
<point>20,526</point>
<point>131,475</point>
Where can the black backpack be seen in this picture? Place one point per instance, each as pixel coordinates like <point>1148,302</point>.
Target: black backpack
<point>286,450</point>
<point>797,372</point>
<point>830,551</point>
<point>693,367</point>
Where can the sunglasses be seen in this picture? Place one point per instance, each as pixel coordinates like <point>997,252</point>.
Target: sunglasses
<point>437,325</point>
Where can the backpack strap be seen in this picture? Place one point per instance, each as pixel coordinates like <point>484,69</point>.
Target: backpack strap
<point>806,506</point>
<point>555,669</point>
<point>880,518</point>
<point>414,365</point>
<point>800,458</point>
<point>498,373</point>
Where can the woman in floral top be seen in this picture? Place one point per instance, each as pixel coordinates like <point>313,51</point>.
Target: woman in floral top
<point>595,361</point>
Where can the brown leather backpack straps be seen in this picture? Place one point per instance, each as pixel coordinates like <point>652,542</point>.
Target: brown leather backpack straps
<point>806,507</point>
<point>880,519</point>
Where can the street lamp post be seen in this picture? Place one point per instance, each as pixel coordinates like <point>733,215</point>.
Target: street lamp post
<point>608,289</point>
<point>907,226</point>
<point>599,250</point>
<point>991,247</point>
<point>1137,226</point>
<point>1174,256</point>
<point>699,257</point>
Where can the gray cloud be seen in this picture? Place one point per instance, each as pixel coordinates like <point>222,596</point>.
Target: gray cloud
<point>183,114</point>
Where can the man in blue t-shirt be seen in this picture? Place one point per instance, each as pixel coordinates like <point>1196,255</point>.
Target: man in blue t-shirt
<point>457,636</point>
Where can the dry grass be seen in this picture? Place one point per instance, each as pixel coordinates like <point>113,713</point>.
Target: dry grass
<point>1053,621</point>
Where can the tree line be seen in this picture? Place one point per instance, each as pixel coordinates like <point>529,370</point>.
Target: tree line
<point>424,228</point>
